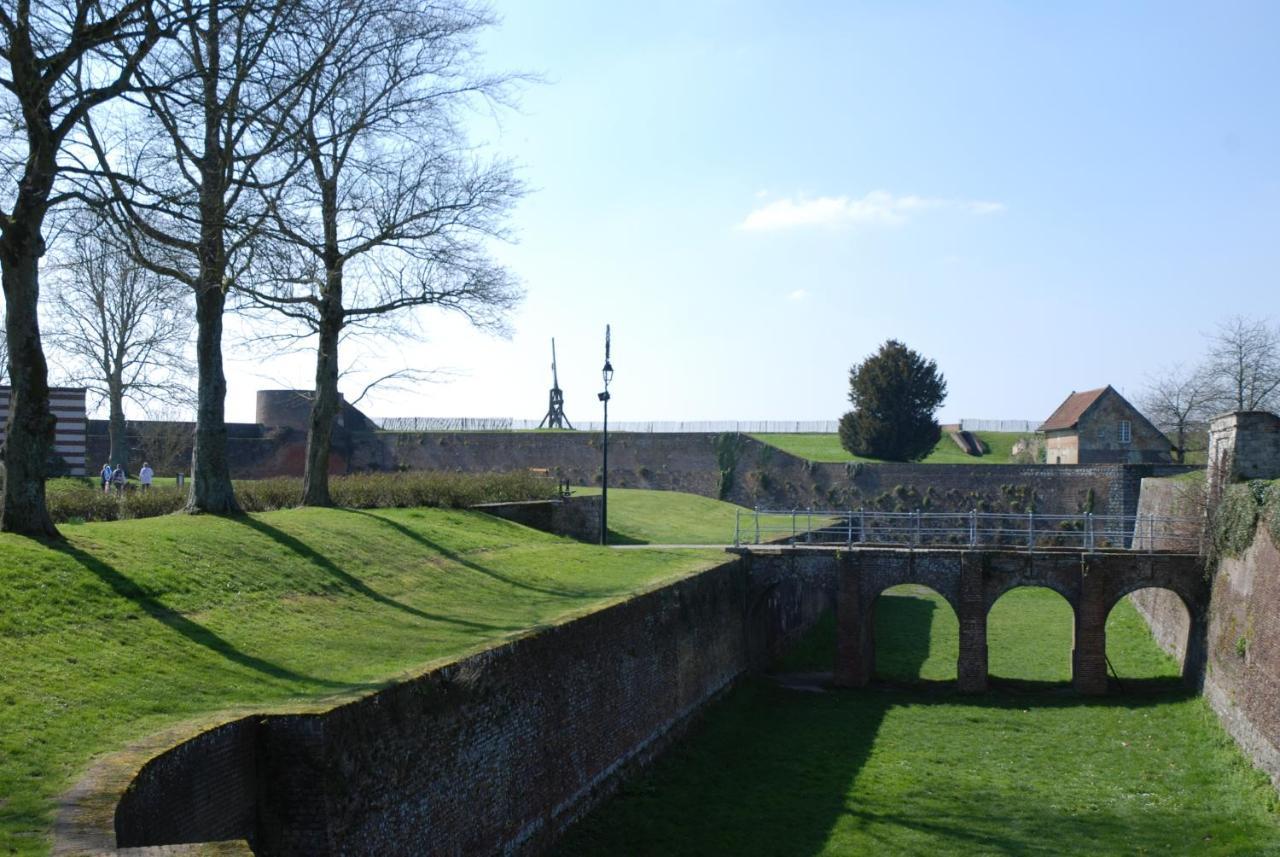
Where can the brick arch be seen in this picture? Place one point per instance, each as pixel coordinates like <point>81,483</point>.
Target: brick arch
<point>870,619</point>
<point>1193,593</point>
<point>971,581</point>
<point>1069,594</point>
<point>952,597</point>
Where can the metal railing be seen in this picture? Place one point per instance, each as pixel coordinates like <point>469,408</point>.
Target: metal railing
<point>1026,531</point>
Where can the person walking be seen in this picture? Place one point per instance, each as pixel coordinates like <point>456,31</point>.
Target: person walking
<point>144,476</point>
<point>106,478</point>
<point>118,479</point>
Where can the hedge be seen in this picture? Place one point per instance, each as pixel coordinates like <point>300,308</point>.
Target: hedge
<point>83,499</point>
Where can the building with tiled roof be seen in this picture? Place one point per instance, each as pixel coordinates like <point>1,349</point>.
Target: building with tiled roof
<point>1101,427</point>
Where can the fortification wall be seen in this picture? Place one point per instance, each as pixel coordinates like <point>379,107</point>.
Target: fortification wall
<point>746,471</point>
<point>1242,673</point>
<point>495,753</point>
<point>575,517</point>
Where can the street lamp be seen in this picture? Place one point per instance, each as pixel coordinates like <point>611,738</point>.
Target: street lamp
<point>607,374</point>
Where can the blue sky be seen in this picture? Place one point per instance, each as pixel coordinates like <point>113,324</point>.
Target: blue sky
<point>1041,197</point>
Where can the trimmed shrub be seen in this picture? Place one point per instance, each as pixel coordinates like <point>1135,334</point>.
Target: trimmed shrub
<point>83,499</point>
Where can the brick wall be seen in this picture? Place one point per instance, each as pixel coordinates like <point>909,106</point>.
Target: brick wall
<point>1242,674</point>
<point>495,753</point>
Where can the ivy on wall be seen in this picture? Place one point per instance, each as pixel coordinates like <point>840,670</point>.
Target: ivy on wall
<point>1236,518</point>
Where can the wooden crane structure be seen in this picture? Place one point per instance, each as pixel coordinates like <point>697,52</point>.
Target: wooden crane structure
<point>555,417</point>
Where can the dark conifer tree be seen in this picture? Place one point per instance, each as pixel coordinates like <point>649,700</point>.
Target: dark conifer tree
<point>895,393</point>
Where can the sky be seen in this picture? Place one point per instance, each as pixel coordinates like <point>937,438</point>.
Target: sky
<point>755,195</point>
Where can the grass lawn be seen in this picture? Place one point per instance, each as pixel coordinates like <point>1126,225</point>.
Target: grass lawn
<point>909,767</point>
<point>639,516</point>
<point>132,626</point>
<point>826,447</point>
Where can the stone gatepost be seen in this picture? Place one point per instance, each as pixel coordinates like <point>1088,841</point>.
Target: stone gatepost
<point>855,626</point>
<point>1089,657</point>
<point>971,665</point>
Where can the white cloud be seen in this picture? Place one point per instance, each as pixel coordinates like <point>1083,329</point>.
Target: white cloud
<point>878,207</point>
<point>798,295</point>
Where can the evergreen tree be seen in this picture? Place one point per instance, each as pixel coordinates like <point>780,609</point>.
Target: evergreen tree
<point>894,393</point>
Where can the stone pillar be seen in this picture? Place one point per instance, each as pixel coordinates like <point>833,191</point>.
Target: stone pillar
<point>1089,657</point>
<point>971,666</point>
<point>855,630</point>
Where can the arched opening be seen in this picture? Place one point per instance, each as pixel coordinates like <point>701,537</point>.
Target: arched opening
<point>1147,634</point>
<point>1030,636</point>
<point>916,635</point>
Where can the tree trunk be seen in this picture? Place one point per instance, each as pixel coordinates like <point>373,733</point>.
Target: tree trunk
<point>211,489</point>
<point>118,439</point>
<point>29,432</point>
<point>324,408</point>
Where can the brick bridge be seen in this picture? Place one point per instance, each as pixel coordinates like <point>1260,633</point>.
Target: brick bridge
<point>972,580</point>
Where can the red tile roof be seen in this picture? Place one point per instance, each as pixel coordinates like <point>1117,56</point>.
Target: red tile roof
<point>1070,411</point>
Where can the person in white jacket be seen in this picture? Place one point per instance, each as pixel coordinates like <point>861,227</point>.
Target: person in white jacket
<point>144,476</point>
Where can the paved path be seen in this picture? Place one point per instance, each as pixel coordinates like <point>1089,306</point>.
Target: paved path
<point>668,547</point>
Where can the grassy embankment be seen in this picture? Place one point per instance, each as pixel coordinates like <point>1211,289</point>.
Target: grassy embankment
<point>906,768</point>
<point>826,447</point>
<point>132,626</point>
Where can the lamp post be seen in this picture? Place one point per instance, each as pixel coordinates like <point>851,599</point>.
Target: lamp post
<point>607,374</point>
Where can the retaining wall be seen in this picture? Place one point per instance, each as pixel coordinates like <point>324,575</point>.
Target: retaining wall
<point>575,517</point>
<point>495,753</point>
<point>1242,674</point>
<point>746,471</point>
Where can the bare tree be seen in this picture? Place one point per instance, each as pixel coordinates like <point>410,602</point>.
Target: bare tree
<point>391,210</point>
<point>190,183</point>
<point>1179,401</point>
<point>165,442</point>
<point>61,59</point>
<point>123,329</point>
<point>1244,365</point>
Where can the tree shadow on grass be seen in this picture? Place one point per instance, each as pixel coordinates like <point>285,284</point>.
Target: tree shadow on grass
<point>771,770</point>
<point>454,556</point>
<point>127,588</point>
<point>350,581</point>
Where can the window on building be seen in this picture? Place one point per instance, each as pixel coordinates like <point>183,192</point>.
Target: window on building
<point>1125,435</point>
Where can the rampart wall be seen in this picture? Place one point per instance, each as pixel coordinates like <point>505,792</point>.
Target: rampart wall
<point>1242,674</point>
<point>746,471</point>
<point>495,753</point>
<point>733,467</point>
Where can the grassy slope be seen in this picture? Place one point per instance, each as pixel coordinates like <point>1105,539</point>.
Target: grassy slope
<point>135,625</point>
<point>638,516</point>
<point>902,770</point>
<point>826,447</point>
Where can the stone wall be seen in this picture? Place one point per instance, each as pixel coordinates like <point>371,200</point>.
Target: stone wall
<point>1242,675</point>
<point>575,517</point>
<point>495,753</point>
<point>1244,445</point>
<point>744,470</point>
<point>1099,435</point>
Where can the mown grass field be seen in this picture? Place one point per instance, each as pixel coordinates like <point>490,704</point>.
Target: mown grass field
<point>136,625</point>
<point>908,767</point>
<point>642,517</point>
<point>826,447</point>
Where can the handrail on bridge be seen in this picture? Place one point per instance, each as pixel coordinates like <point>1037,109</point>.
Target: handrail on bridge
<point>1031,530</point>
